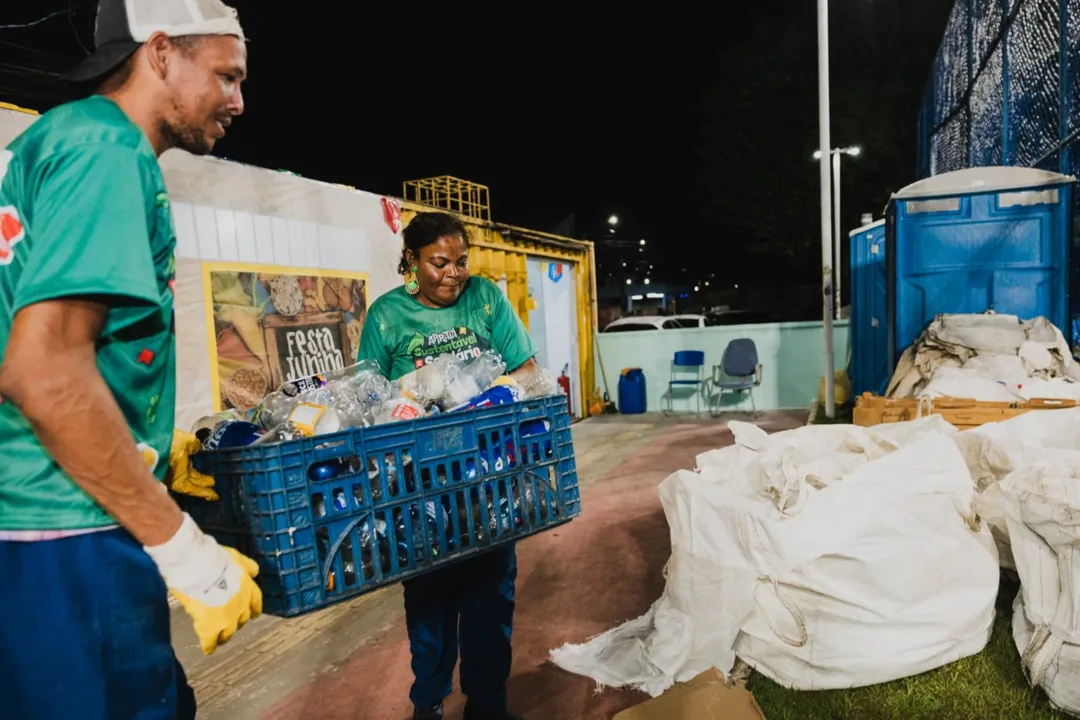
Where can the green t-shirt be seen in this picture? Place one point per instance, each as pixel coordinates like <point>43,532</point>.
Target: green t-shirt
<point>403,335</point>
<point>83,211</point>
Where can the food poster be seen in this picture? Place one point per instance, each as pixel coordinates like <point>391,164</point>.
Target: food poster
<point>273,324</point>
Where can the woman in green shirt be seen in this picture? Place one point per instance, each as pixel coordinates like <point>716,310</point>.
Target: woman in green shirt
<point>441,310</point>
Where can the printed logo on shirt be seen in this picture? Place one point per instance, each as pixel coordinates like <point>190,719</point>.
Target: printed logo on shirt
<point>461,342</point>
<point>11,232</point>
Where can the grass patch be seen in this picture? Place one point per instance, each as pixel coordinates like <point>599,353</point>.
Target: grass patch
<point>843,415</point>
<point>987,686</point>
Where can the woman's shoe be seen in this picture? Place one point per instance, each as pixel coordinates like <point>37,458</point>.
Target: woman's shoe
<point>435,713</point>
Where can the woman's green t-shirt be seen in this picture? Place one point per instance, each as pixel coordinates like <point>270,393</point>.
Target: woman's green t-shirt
<point>402,334</point>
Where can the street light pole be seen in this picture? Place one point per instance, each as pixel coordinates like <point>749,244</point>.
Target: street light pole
<point>825,143</point>
<point>837,255</point>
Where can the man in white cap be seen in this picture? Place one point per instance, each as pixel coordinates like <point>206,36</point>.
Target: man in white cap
<point>89,539</point>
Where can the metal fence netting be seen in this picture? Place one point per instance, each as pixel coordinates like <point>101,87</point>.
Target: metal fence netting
<point>1033,48</point>
<point>949,146</point>
<point>951,68</point>
<point>986,113</point>
<point>986,18</point>
<point>1072,66</point>
<point>1005,87</point>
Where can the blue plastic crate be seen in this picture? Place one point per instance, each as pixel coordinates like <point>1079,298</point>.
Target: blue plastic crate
<point>401,499</point>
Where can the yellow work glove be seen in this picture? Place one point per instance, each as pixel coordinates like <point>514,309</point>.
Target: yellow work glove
<point>214,584</point>
<point>182,477</point>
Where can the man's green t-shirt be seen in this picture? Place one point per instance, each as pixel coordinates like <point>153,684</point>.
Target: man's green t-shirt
<point>84,212</point>
<point>402,334</point>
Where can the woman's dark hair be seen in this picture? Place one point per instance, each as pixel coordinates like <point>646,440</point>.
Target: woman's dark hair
<point>425,229</point>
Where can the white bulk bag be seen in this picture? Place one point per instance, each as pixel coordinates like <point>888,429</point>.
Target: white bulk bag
<point>994,450</point>
<point>1042,512</point>
<point>822,556</point>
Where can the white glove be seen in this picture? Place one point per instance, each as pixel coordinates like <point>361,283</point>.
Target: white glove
<point>213,583</point>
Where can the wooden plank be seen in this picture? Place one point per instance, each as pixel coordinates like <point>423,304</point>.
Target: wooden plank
<point>964,413</point>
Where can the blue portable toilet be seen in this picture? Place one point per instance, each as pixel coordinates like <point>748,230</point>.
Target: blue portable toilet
<point>869,341</point>
<point>979,239</point>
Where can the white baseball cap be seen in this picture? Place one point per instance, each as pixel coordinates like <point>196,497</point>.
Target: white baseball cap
<point>124,25</point>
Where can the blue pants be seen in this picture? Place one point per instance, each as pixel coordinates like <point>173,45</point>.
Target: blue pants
<point>84,633</point>
<point>468,605</point>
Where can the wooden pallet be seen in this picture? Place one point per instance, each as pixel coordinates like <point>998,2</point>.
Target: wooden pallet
<point>963,413</point>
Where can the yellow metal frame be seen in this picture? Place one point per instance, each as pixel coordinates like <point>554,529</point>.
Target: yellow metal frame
<point>209,267</point>
<point>500,251</point>
<point>16,108</point>
<point>447,192</point>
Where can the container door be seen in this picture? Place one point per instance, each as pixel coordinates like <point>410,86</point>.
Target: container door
<point>1002,251</point>
<point>560,311</point>
<point>537,314</point>
<point>869,341</point>
<point>878,340</point>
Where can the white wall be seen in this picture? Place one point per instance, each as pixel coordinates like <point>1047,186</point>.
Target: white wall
<point>791,354</point>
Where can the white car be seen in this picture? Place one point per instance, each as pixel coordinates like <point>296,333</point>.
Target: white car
<point>655,322</point>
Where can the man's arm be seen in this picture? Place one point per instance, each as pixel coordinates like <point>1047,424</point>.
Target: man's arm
<point>49,371</point>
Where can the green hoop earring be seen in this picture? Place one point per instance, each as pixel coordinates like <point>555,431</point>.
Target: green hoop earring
<point>411,285</point>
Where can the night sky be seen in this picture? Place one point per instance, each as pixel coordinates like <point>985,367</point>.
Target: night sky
<point>697,133</point>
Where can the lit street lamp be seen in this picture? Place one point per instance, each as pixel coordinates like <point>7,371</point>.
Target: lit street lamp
<point>611,222</point>
<point>853,151</point>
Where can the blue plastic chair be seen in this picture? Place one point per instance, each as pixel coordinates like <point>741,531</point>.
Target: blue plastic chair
<point>685,364</point>
<point>739,371</point>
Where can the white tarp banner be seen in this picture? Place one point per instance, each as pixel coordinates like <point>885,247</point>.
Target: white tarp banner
<point>825,557</point>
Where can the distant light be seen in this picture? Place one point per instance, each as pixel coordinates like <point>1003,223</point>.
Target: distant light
<point>637,297</point>
<point>697,289</point>
<point>643,241</point>
<point>706,283</point>
<point>817,154</point>
<point>736,285</point>
<point>613,220</point>
<point>641,249</point>
<point>646,281</point>
<point>853,151</point>
<point>655,296</point>
<point>624,264</point>
<point>611,230</point>
<point>628,281</point>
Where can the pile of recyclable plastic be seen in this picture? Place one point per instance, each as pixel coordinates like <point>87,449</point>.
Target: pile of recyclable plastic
<point>359,396</point>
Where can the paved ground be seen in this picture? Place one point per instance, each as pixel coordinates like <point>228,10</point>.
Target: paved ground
<point>351,662</point>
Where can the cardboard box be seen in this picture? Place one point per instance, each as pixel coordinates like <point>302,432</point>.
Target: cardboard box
<point>706,697</point>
